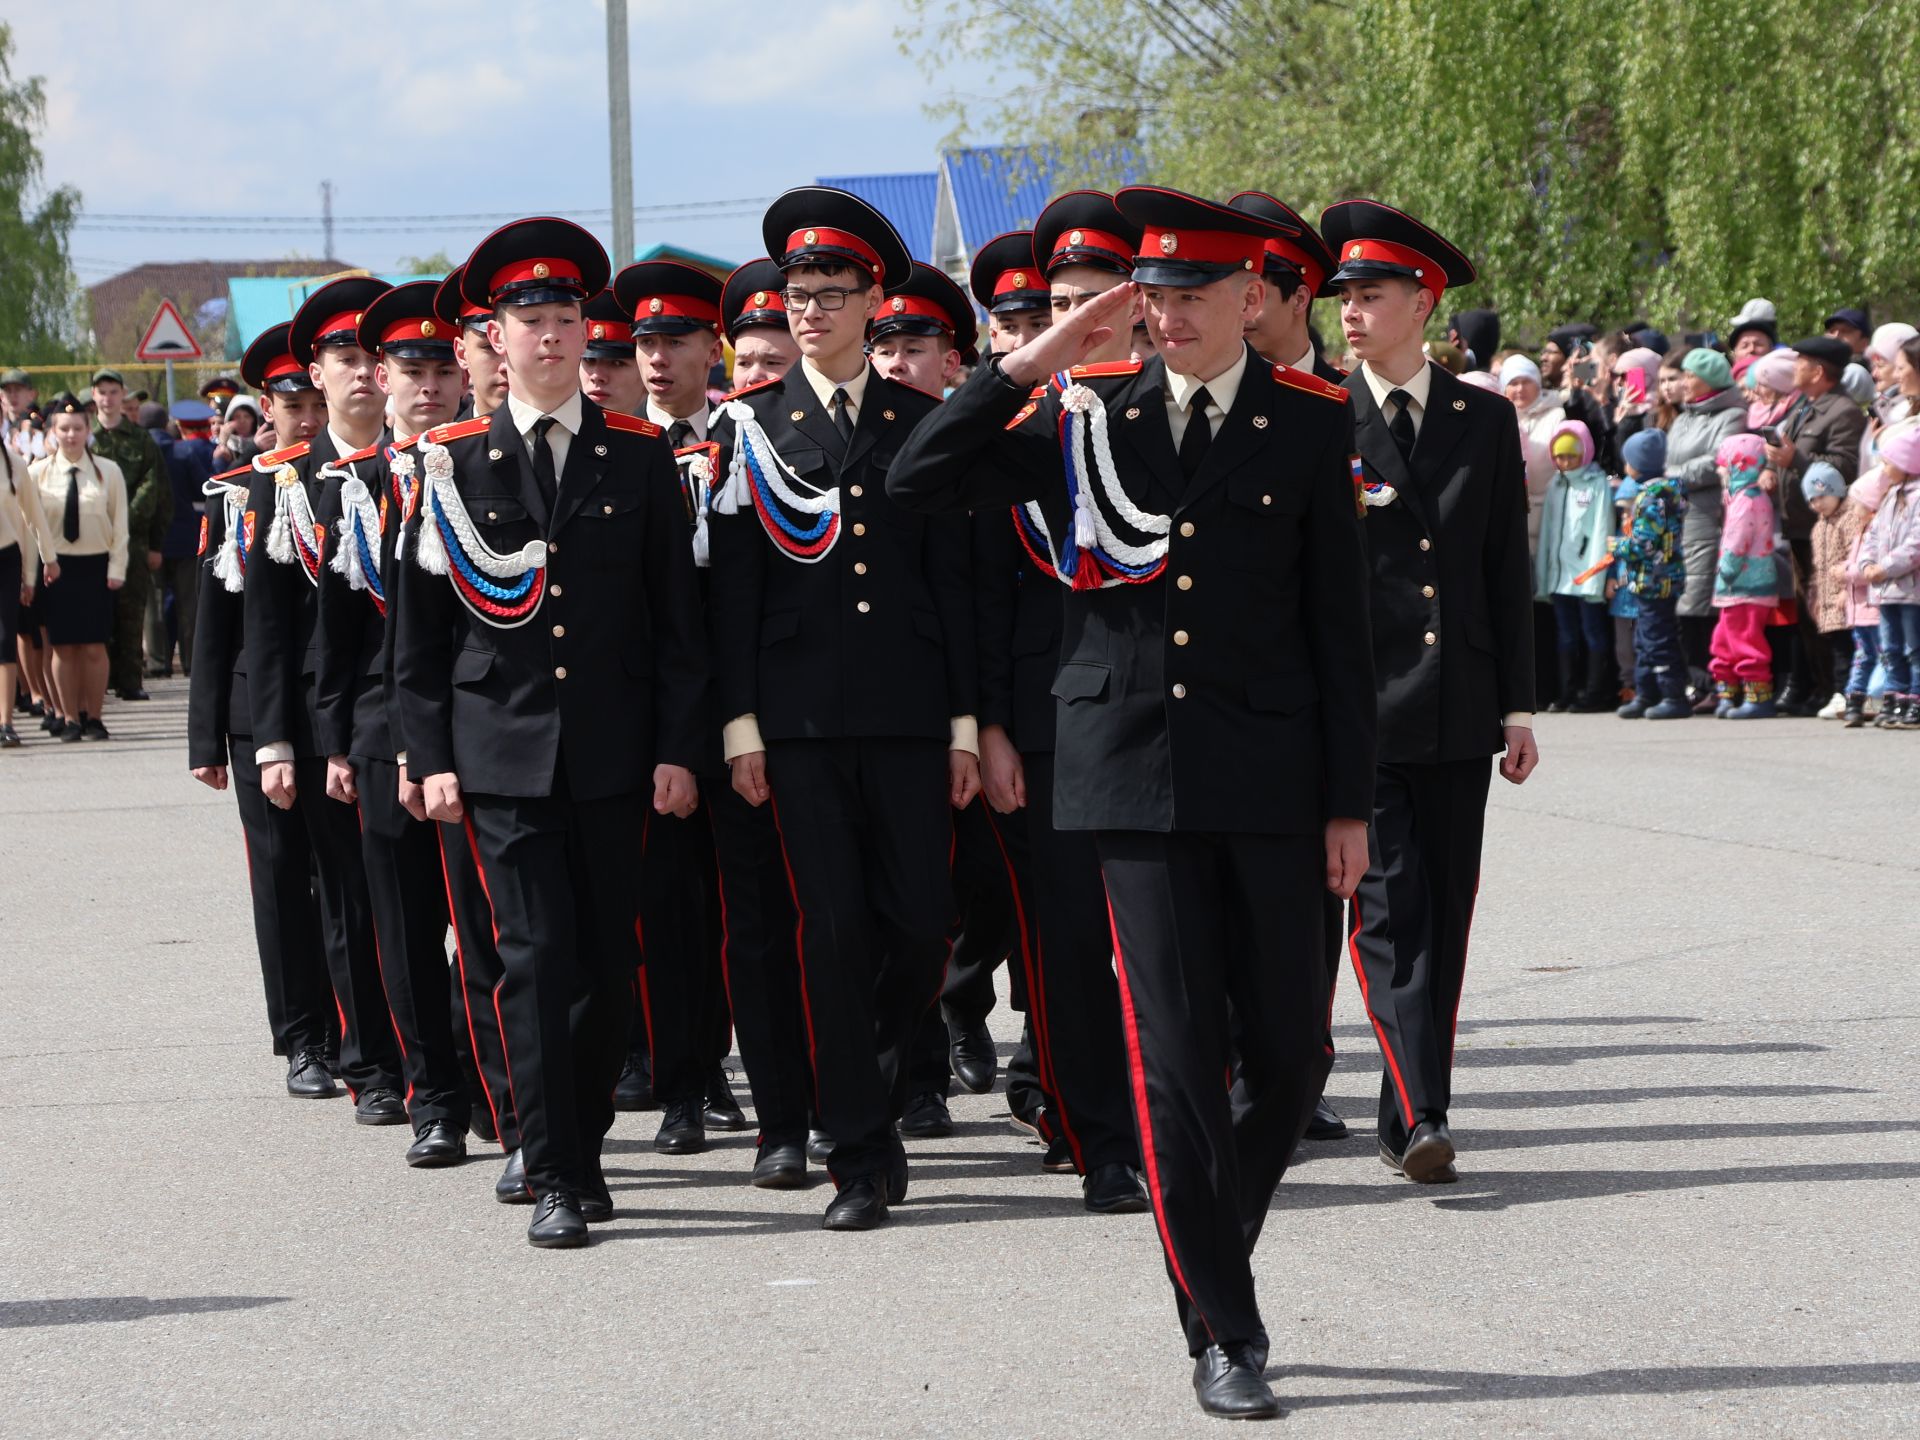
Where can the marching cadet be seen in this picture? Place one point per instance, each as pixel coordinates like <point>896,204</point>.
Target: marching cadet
<point>843,645</point>
<point>1225,770</point>
<point>1295,270</point>
<point>923,329</point>
<point>399,845</point>
<point>476,1020</point>
<point>550,676</point>
<point>220,744</point>
<point>675,315</point>
<point>757,952</point>
<point>122,439</point>
<point>1085,247</point>
<point>609,373</point>
<point>763,346</point>
<point>293,506</point>
<point>1453,642</point>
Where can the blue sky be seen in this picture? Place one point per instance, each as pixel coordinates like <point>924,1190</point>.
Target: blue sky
<point>459,107</point>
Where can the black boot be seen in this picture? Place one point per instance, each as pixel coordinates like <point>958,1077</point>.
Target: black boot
<point>1569,691</point>
<point>1597,695</point>
<point>1856,711</point>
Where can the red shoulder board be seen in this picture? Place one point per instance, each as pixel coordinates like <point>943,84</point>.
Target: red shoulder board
<point>1306,380</point>
<point>235,473</point>
<point>367,454</point>
<point>404,444</point>
<point>632,424</point>
<point>203,536</point>
<point>1111,367</point>
<point>749,389</point>
<point>286,456</point>
<point>460,429</point>
<point>1026,413</point>
<point>699,447</point>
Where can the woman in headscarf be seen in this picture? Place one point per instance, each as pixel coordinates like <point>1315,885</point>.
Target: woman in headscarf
<point>1770,378</point>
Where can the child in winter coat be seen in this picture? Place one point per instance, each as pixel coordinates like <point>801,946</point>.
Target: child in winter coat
<point>1620,602</point>
<point>1839,599</point>
<point>1576,528</point>
<point>1889,558</point>
<point>1657,573</point>
<point>1746,585</point>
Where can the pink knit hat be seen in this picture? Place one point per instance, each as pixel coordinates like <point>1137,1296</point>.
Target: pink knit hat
<point>1899,446</point>
<point>1774,370</point>
<point>1741,452</point>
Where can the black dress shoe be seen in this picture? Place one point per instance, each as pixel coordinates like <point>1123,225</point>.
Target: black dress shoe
<point>1227,1384</point>
<point>1024,1122</point>
<point>722,1111</point>
<point>860,1206</point>
<point>9,738</point>
<point>511,1187</point>
<point>379,1106</point>
<point>1114,1190</point>
<point>634,1089</point>
<point>926,1117</point>
<point>92,729</point>
<point>556,1223</point>
<point>975,1061</point>
<point>681,1130</point>
<point>480,1125</point>
<point>897,1175</point>
<point>1428,1158</point>
<point>307,1077</point>
<point>819,1146</point>
<point>138,692</point>
<point>596,1204</point>
<point>1057,1158</point>
<point>69,732</point>
<point>780,1165</point>
<point>1325,1125</point>
<point>441,1143</point>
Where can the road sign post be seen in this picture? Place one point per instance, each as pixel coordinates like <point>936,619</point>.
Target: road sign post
<point>167,340</point>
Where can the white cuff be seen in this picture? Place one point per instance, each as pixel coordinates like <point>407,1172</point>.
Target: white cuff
<point>280,752</point>
<point>963,733</point>
<point>1520,720</point>
<point>740,736</point>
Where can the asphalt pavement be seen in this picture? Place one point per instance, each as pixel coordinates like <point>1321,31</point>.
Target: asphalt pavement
<point>1689,1152</point>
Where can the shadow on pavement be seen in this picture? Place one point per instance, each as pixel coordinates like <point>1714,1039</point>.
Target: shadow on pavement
<point>1628,1094</point>
<point>100,1309</point>
<point>1441,1386</point>
<point>1507,1055</point>
<point>1502,1189</point>
<point>1478,1139</point>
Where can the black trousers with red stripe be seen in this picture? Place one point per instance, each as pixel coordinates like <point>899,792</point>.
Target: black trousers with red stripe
<point>1408,927</point>
<point>477,974</point>
<point>286,917</point>
<point>369,1058</point>
<point>682,995</point>
<point>1208,926</point>
<point>563,879</point>
<point>758,961</point>
<point>409,900</point>
<point>867,833</point>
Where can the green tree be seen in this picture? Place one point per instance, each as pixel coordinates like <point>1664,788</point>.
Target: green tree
<point>39,298</point>
<point>438,263</point>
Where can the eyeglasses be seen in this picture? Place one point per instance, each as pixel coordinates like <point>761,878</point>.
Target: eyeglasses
<point>833,297</point>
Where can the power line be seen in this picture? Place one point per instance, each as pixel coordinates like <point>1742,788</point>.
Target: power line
<point>103,219</point>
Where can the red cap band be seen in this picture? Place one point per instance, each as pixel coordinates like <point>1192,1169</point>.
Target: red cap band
<point>1090,240</point>
<point>471,311</point>
<point>1428,271</point>
<point>346,320</point>
<point>765,300</point>
<point>818,237</point>
<point>1292,255</point>
<point>413,327</point>
<point>684,307</point>
<point>284,364</point>
<point>560,272</point>
<point>1201,247</point>
<point>1011,281</point>
<point>897,307</point>
<point>612,332</point>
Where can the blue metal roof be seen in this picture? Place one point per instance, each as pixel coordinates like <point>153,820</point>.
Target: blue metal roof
<point>906,200</point>
<point>258,302</point>
<point>997,188</point>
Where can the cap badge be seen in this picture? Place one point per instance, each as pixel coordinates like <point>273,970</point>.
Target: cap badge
<point>540,270</point>
<point>599,332</point>
<point>759,299</point>
<point>654,306</point>
<point>356,318</point>
<point>1169,242</point>
<point>428,330</point>
<point>1355,253</point>
<point>1075,237</point>
<point>1019,279</point>
<point>811,237</point>
<point>899,304</point>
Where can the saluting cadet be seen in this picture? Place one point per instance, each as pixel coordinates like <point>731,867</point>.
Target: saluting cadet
<point>399,845</point>
<point>294,506</point>
<point>550,675</point>
<point>1225,769</point>
<point>1453,652</point>
<point>763,346</point>
<point>1295,269</point>
<point>675,316</point>
<point>1085,247</point>
<point>220,743</point>
<point>476,1019</point>
<point>923,329</point>
<point>843,639</point>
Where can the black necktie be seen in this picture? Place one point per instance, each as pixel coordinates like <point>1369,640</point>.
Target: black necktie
<point>1199,434</point>
<point>842,408</point>
<point>1401,426</point>
<point>70,522</point>
<point>544,472</point>
<point>680,434</point>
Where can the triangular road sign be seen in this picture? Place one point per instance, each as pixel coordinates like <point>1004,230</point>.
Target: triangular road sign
<point>167,337</point>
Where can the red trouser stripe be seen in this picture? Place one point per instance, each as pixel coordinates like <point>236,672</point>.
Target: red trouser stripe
<point>799,948</point>
<point>466,1003</point>
<point>1366,999</point>
<point>473,848</point>
<point>1150,1158</point>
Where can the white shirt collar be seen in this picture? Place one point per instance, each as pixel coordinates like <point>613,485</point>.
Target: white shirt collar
<point>823,388</point>
<point>1418,388</point>
<point>698,420</point>
<point>1222,388</point>
<point>524,415</point>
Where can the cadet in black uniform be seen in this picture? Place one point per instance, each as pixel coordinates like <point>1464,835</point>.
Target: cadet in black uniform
<point>1295,269</point>
<point>675,315</point>
<point>763,346</point>
<point>294,508</point>
<point>399,845</point>
<point>843,639</point>
<point>1225,769</point>
<point>550,673</point>
<point>1453,651</point>
<point>220,745</point>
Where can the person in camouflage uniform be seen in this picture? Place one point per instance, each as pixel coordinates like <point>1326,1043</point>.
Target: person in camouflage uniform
<point>149,511</point>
